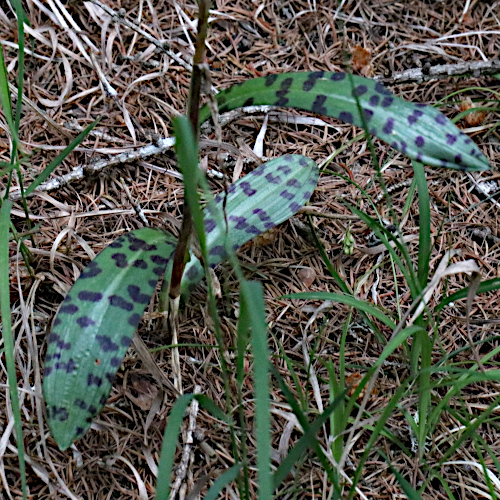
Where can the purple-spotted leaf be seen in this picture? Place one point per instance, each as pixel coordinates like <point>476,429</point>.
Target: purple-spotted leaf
<point>420,132</point>
<point>94,327</point>
<point>265,197</point>
<point>98,317</point>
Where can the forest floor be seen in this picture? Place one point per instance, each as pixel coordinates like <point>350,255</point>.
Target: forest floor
<point>77,218</point>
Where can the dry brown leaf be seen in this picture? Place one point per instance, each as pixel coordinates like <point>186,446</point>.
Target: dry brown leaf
<point>476,117</point>
<point>146,392</point>
<point>360,60</point>
<point>353,381</point>
<point>306,276</point>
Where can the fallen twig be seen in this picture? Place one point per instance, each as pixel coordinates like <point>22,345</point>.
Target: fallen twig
<point>428,72</point>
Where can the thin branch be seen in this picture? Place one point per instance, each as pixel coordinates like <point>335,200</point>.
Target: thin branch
<point>474,69</point>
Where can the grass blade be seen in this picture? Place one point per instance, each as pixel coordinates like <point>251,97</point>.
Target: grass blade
<point>409,490</point>
<point>60,158</point>
<point>348,300</point>
<point>485,286</point>
<point>424,213</point>
<point>169,445</point>
<point>7,336</point>
<point>221,482</point>
<point>253,314</point>
<point>5,96</point>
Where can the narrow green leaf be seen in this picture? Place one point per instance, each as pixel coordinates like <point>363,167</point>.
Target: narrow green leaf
<point>169,445</point>
<point>424,388</point>
<point>485,286</point>
<point>94,327</point>
<point>308,437</point>
<point>7,337</point>
<point>348,300</point>
<point>424,214</point>
<point>60,158</point>
<point>252,300</point>
<point>394,343</point>
<point>22,19</point>
<point>221,482</point>
<point>386,237</point>
<point>381,422</point>
<point>409,490</point>
<point>307,440</point>
<point>171,438</point>
<point>329,265</point>
<point>5,95</point>
<point>186,149</point>
<point>420,132</point>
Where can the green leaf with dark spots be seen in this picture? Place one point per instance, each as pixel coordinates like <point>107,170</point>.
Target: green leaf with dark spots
<point>94,327</point>
<point>264,198</point>
<point>98,317</point>
<point>420,132</point>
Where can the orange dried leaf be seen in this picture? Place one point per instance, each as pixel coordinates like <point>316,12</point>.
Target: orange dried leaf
<point>476,117</point>
<point>360,58</point>
<point>352,383</point>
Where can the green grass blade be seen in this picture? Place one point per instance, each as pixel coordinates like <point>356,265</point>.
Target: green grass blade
<point>335,275</point>
<point>8,340</point>
<point>171,438</point>
<point>5,100</point>
<point>309,440</point>
<point>424,214</point>
<point>186,149</point>
<point>306,441</point>
<point>22,19</point>
<point>221,482</point>
<point>244,329</point>
<point>424,390</point>
<point>253,312</point>
<point>386,237</point>
<point>394,343</point>
<point>470,430</point>
<point>409,490</point>
<point>348,300</point>
<point>169,445</point>
<point>376,432</point>
<point>484,287</point>
<point>60,158</point>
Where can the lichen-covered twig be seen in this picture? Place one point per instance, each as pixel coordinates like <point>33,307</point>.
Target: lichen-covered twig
<point>428,72</point>
<point>80,171</point>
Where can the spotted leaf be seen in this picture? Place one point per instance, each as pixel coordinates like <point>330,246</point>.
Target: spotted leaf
<point>98,317</point>
<point>94,327</point>
<point>420,132</point>
<point>267,196</point>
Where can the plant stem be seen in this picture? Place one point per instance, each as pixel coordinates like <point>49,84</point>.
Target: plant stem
<point>181,251</point>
